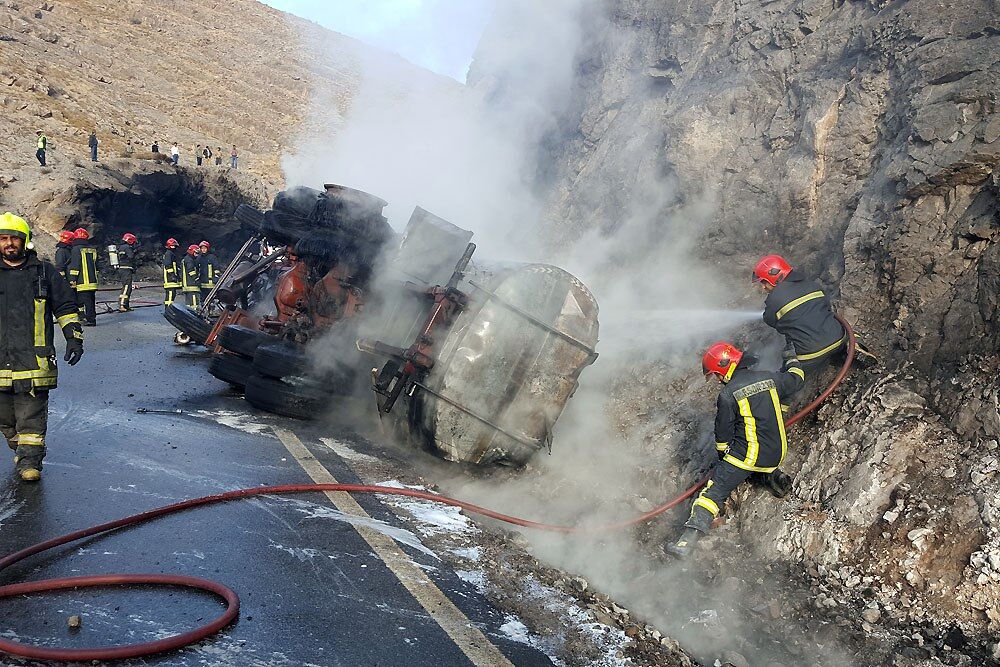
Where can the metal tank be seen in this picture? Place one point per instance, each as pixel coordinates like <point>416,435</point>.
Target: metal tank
<point>481,362</point>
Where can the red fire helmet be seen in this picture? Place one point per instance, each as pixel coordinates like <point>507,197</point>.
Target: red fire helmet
<point>81,233</point>
<point>721,359</point>
<point>65,236</point>
<point>205,244</point>
<point>771,270</point>
<point>129,238</point>
<point>172,243</point>
<point>192,249</point>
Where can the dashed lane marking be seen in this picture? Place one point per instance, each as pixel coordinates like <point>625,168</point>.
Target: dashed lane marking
<point>469,639</point>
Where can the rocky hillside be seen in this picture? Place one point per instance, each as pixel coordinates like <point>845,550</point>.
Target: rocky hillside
<point>860,139</point>
<point>219,73</point>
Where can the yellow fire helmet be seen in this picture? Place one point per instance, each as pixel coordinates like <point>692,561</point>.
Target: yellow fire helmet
<point>16,226</point>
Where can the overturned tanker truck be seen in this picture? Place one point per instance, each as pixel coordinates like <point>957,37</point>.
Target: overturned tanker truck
<point>471,360</point>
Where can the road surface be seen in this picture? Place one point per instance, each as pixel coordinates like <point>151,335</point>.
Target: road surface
<point>311,570</point>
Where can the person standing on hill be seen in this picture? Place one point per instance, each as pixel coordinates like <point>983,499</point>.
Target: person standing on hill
<point>155,148</point>
<point>175,153</point>
<point>126,266</point>
<point>218,156</point>
<point>32,296</point>
<point>234,157</point>
<point>43,144</point>
<point>197,155</point>
<point>93,143</point>
<point>83,276</point>
<point>171,272</point>
<point>191,276</point>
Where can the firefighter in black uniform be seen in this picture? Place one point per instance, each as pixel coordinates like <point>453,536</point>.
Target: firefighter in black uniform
<point>83,276</point>
<point>126,268</point>
<point>799,310</point>
<point>31,294</point>
<point>64,252</point>
<point>209,268</point>
<point>749,434</point>
<point>171,272</point>
<point>191,276</point>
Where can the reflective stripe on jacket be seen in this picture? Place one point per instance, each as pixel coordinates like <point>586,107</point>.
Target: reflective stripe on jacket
<point>801,312</point>
<point>209,273</point>
<point>749,426</point>
<point>171,270</point>
<point>83,267</point>
<point>190,274</point>
<point>30,295</point>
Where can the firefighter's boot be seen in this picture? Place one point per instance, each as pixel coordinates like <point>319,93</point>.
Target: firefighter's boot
<point>683,547</point>
<point>778,483</point>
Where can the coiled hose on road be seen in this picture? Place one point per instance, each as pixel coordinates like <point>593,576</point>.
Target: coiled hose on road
<point>228,595</point>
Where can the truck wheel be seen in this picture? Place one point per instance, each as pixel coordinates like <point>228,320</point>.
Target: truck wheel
<point>242,340</point>
<point>299,400</point>
<point>187,321</point>
<point>280,359</point>
<point>231,368</point>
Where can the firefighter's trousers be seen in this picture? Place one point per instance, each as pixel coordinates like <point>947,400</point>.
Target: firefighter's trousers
<point>193,298</point>
<point>86,303</point>
<point>169,295</point>
<point>724,480</point>
<point>126,295</point>
<point>23,421</point>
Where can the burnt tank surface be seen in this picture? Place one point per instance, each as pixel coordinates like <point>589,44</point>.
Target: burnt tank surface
<point>507,366</point>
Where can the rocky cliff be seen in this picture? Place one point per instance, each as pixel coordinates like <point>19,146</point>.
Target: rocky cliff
<point>860,139</point>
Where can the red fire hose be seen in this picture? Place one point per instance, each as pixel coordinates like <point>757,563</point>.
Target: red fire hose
<point>232,600</point>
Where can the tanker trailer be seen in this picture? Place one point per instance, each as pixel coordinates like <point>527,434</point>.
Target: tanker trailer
<point>481,362</point>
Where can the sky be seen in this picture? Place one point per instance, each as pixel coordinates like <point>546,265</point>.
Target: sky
<point>440,35</point>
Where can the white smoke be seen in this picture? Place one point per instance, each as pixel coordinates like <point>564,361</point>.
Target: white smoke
<point>475,155</point>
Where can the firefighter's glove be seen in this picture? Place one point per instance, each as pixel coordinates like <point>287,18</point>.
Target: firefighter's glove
<point>74,351</point>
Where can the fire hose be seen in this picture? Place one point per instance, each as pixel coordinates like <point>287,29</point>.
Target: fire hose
<point>229,596</point>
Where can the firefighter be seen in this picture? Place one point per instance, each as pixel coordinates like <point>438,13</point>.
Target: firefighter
<point>83,276</point>
<point>209,265</point>
<point>191,276</point>
<point>799,310</point>
<point>31,294</point>
<point>126,267</point>
<point>171,272</point>
<point>64,252</point>
<point>749,434</point>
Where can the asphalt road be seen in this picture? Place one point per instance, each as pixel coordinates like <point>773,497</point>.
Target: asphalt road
<point>313,591</point>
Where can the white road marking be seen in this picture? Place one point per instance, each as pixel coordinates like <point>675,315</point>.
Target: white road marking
<point>473,643</point>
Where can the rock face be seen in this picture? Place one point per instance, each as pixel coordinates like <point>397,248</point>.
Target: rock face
<point>860,139</point>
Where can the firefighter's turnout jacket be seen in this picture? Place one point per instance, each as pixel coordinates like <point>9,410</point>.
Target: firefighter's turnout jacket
<point>83,266</point>
<point>64,252</point>
<point>209,270</point>
<point>801,312</point>
<point>30,296</point>
<point>191,274</point>
<point>749,426</point>
<point>126,257</point>
<point>171,269</point>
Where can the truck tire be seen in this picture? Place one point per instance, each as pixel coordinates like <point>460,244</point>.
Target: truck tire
<point>280,360</point>
<point>187,321</point>
<point>299,400</point>
<point>242,340</point>
<point>231,368</point>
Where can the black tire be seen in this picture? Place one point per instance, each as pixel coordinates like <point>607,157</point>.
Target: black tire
<point>187,321</point>
<point>249,216</point>
<point>299,400</point>
<point>242,340</point>
<point>231,368</point>
<point>280,360</point>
